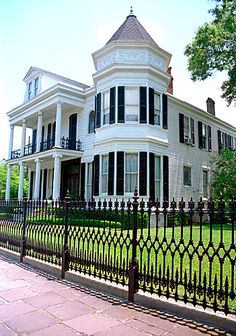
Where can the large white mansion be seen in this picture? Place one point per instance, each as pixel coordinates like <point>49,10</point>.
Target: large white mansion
<point>127,130</point>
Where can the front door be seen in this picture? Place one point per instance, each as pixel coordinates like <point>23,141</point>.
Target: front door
<point>72,131</point>
<point>71,178</point>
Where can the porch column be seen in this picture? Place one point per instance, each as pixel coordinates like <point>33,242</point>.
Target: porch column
<point>11,138</point>
<point>21,182</point>
<point>23,138</point>
<point>8,184</point>
<point>39,131</point>
<point>58,126</point>
<point>37,179</point>
<point>57,177</point>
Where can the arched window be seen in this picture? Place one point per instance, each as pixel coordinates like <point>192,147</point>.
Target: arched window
<point>91,122</point>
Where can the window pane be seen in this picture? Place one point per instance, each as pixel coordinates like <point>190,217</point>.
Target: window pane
<point>131,96</point>
<point>131,172</point>
<point>157,168</point>
<point>187,176</point>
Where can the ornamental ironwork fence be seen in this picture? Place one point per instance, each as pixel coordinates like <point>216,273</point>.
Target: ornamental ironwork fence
<point>183,251</point>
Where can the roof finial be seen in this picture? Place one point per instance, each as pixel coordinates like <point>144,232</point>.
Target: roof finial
<point>131,10</point>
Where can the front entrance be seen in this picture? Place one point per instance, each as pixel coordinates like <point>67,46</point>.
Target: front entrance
<point>70,178</point>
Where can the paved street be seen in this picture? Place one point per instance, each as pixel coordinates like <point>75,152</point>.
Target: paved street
<point>34,304</point>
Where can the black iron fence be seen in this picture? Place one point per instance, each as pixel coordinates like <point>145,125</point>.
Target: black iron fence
<point>183,251</point>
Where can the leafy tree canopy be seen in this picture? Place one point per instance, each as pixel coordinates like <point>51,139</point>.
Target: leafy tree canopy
<point>214,48</point>
<point>223,182</point>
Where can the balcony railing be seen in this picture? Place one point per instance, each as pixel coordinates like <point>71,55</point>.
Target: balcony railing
<point>66,143</point>
<point>47,144</point>
<point>70,143</point>
<point>15,154</point>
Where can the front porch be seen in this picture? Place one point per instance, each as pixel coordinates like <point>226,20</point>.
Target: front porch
<point>51,174</point>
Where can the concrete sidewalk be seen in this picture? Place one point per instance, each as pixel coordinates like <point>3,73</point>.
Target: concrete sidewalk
<point>34,304</point>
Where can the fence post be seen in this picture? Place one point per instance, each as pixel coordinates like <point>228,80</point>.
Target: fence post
<point>23,238</point>
<point>65,250</point>
<point>133,267</point>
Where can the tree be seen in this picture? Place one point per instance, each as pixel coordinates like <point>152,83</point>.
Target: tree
<point>214,48</point>
<point>14,181</point>
<point>223,183</point>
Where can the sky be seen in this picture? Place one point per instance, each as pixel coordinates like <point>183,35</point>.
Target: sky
<point>60,36</point>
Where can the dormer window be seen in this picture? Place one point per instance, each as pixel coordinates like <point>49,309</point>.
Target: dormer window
<point>36,86</point>
<point>29,90</point>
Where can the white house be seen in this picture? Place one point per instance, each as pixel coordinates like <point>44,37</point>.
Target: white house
<point>127,130</point>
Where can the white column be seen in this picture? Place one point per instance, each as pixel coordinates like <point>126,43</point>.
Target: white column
<point>8,184</point>
<point>11,138</point>
<point>37,179</point>
<point>23,138</point>
<point>39,131</point>
<point>58,126</point>
<point>57,177</point>
<point>115,171</point>
<point>21,182</point>
<point>85,182</point>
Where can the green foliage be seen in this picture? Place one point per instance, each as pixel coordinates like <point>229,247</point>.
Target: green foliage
<point>223,180</point>
<point>214,48</point>
<point>14,181</point>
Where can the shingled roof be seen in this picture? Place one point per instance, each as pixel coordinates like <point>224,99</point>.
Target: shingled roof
<point>131,30</point>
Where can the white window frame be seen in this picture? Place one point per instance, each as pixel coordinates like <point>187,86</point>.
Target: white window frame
<point>157,109</point>
<point>128,174</point>
<point>105,108</point>
<point>89,180</point>
<point>104,174</point>
<point>36,86</point>
<point>29,90</point>
<point>205,193</point>
<point>135,105</point>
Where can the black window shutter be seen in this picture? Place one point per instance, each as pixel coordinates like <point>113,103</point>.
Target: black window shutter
<point>112,105</point>
<point>219,141</point>
<point>143,174</point>
<point>200,134</point>
<point>152,175</point>
<point>164,111</point>
<point>181,128</point>
<point>111,174</point>
<point>82,181</point>
<point>151,106</point>
<point>165,178</point>
<point>192,130</point>
<point>98,110</point>
<point>209,138</point>
<point>96,175</point>
<point>120,174</point>
<point>143,105</point>
<point>121,104</point>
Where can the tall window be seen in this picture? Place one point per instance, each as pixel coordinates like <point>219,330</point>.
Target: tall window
<point>29,90</point>
<point>91,122</point>
<point>157,108</point>
<point>204,136</point>
<point>106,106</point>
<point>104,173</point>
<point>186,128</point>
<point>131,104</point>
<point>187,176</point>
<point>89,181</point>
<point>157,177</point>
<point>205,183</point>
<point>36,86</point>
<point>131,172</point>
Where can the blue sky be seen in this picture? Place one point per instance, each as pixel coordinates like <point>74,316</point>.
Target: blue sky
<point>60,35</point>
